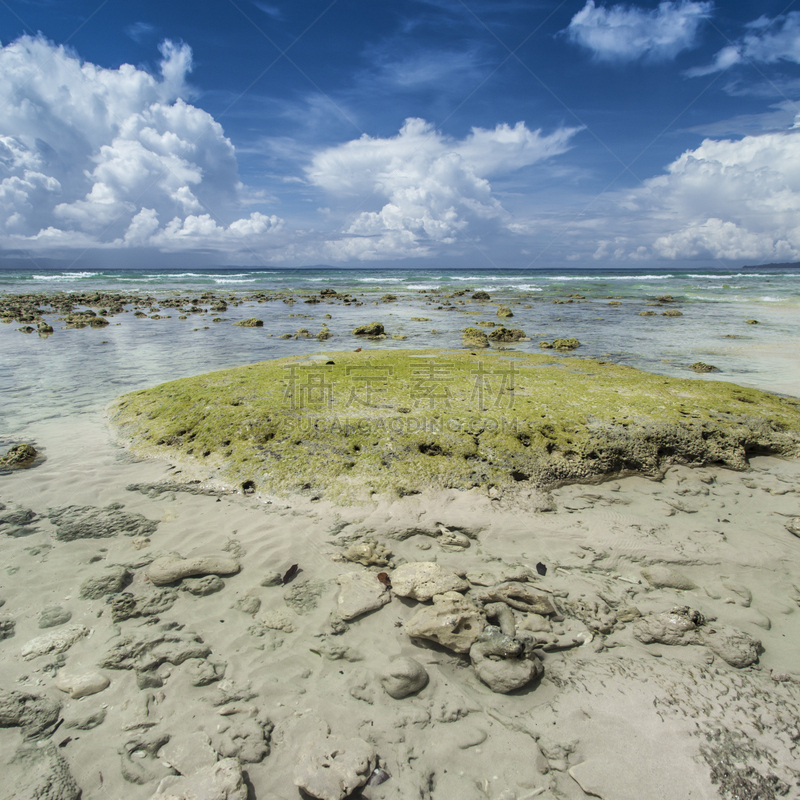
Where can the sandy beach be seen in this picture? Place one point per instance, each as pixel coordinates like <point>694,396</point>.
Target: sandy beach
<point>654,623</point>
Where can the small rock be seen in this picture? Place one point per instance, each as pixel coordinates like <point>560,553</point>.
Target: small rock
<point>20,455</point>
<point>81,684</point>
<point>220,781</point>
<point>667,578</point>
<point>252,322</point>
<point>700,366</point>
<point>169,569</point>
<point>7,627</point>
<point>371,329</point>
<point>452,621</point>
<point>504,311</point>
<point>404,677</point>
<point>248,603</point>
<point>187,753</point>
<point>83,719</point>
<point>360,592</point>
<point>566,344</point>
<point>368,553</point>
<point>674,627</point>
<point>332,767</point>
<point>53,643</point>
<point>272,579</point>
<point>201,587</point>
<point>501,661</point>
<point>793,526</point>
<point>422,580</point>
<point>35,714</point>
<point>112,581</point>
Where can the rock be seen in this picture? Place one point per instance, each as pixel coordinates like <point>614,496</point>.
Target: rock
<point>672,312</point>
<point>368,553</point>
<point>474,337</point>
<point>249,602</point>
<point>699,366</point>
<point>422,580</point>
<point>371,329</point>
<point>566,344</point>
<point>202,672</point>
<point>81,683</point>
<point>501,661</point>
<point>90,522</point>
<point>220,781</point>
<point>16,521</point>
<point>736,647</point>
<point>404,677</point>
<point>674,627</point>
<point>83,719</point>
<point>112,581</point>
<point>53,643</point>
<point>793,526</point>
<point>504,311</point>
<point>647,313</point>
<point>139,762</point>
<point>127,606</point>
<point>503,335</point>
<point>246,739</point>
<point>201,587</point>
<point>452,621</point>
<point>187,753</point>
<point>518,596</point>
<point>752,322</point>
<point>745,596</point>
<point>53,616</point>
<point>303,596</point>
<point>34,713</point>
<point>277,620</point>
<point>147,650</point>
<point>39,772</point>
<point>332,767</point>
<point>252,322</point>
<point>360,592</point>
<point>505,617</point>
<point>7,627</point>
<point>19,456</point>
<point>481,296</point>
<point>272,579</point>
<point>662,577</point>
<point>545,345</point>
<point>170,569</point>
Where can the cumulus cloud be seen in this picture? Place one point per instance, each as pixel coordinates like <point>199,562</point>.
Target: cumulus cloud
<point>728,199</point>
<point>432,190</point>
<point>627,33</point>
<point>93,156</point>
<point>760,45</point>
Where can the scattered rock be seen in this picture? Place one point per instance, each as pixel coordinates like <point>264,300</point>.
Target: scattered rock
<point>504,311</point>
<point>53,643</point>
<point>53,616</point>
<point>277,620</point>
<point>360,592</point>
<point>139,762</point>
<point>503,335</point>
<point>170,569</point>
<point>672,312</point>
<point>368,553</point>
<point>474,337</point>
<point>112,581</point>
<point>404,677</point>
<point>202,672</point>
<point>201,587</point>
<point>272,579</point>
<point>481,296</point>
<point>647,313</point>
<point>332,767</point>
<point>700,366</point>
<point>452,621</point>
<point>90,522</point>
<point>252,322</point>
<point>34,713</point>
<point>566,344</point>
<point>422,580</point>
<point>147,650</point>
<point>662,577</point>
<point>127,606</point>
<point>370,329</point>
<point>503,662</point>
<point>752,322</point>
<point>81,683</point>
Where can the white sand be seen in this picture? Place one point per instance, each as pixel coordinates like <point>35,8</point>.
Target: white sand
<point>614,718</point>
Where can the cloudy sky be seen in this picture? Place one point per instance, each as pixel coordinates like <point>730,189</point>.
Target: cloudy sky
<point>357,133</point>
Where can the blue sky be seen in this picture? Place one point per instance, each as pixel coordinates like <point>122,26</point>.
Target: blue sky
<point>358,133</point>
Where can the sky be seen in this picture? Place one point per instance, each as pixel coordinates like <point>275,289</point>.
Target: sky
<point>356,133</point>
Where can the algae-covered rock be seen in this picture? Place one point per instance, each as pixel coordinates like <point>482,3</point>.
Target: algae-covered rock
<point>505,335</point>
<point>701,367</point>
<point>484,296</point>
<point>672,312</point>
<point>370,329</point>
<point>473,337</point>
<point>504,311</point>
<point>351,423</point>
<point>252,322</point>
<point>565,345</point>
<point>20,455</point>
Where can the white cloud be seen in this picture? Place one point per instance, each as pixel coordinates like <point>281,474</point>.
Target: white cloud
<point>760,45</point>
<point>432,190</point>
<point>627,33</point>
<point>95,157</point>
<point>728,199</point>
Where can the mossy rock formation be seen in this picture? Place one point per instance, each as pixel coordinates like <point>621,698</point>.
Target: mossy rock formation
<point>474,337</point>
<point>345,424</point>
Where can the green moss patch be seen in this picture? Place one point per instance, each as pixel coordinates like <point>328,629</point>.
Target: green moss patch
<point>344,423</point>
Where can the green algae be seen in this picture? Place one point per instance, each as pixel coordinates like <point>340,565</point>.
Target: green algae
<point>346,424</point>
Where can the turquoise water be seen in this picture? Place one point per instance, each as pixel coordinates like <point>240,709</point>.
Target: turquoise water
<point>80,371</point>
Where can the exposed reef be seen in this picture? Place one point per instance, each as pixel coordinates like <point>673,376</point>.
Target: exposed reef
<point>349,423</point>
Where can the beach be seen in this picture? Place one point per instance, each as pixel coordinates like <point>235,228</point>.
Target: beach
<point>658,613</point>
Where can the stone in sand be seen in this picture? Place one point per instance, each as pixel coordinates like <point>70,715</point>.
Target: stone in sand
<point>20,455</point>
<point>81,683</point>
<point>793,526</point>
<point>517,596</point>
<point>246,739</point>
<point>736,647</point>
<point>404,677</point>
<point>501,661</point>
<point>368,553</point>
<point>666,578</point>
<point>169,569</point>
<point>249,602</point>
<point>90,522</point>
<point>674,627</point>
<point>452,621</point>
<point>16,521</point>
<point>332,767</point>
<point>112,581</point>
<point>53,643</point>
<point>201,587</point>
<point>139,762</point>
<point>421,580</point>
<point>7,626</point>
<point>34,713</point>
<point>147,650</point>
<point>360,592</point>
<point>188,752</point>
<point>52,616</point>
<point>220,781</point>
<point>42,774</point>
<point>481,296</point>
